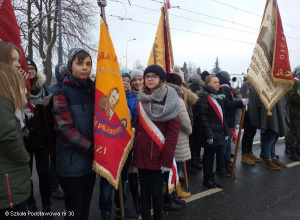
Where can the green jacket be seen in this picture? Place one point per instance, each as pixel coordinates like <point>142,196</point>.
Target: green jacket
<point>293,100</point>
<point>14,159</point>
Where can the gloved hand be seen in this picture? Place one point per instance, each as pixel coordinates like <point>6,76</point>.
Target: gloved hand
<point>245,101</point>
<point>210,141</point>
<point>226,138</point>
<point>165,169</point>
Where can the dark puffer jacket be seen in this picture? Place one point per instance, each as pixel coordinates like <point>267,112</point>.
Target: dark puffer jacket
<point>73,113</point>
<point>208,123</point>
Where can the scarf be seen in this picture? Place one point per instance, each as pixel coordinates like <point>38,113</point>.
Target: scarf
<point>134,93</point>
<point>160,112</point>
<point>220,96</point>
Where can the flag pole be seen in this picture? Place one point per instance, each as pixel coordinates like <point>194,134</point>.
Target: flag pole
<point>102,4</point>
<point>169,36</point>
<point>121,199</point>
<point>185,175</point>
<point>239,136</point>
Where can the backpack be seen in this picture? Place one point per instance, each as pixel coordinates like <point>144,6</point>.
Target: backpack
<point>44,125</point>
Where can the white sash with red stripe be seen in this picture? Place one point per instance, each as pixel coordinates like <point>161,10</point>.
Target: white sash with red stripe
<point>216,107</point>
<point>154,132</point>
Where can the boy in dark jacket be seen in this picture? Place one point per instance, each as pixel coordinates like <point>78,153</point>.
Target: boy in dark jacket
<point>73,111</point>
<point>230,107</point>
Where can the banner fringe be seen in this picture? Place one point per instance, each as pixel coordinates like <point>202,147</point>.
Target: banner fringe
<point>268,108</point>
<point>106,174</point>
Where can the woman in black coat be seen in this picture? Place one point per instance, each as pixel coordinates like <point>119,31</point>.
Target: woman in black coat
<point>213,126</point>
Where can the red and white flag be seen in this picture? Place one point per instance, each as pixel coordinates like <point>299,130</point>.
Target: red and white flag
<point>270,72</point>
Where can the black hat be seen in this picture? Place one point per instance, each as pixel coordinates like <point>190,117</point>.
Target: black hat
<point>174,78</point>
<point>31,62</point>
<point>204,74</point>
<point>126,75</point>
<point>223,77</point>
<point>157,70</point>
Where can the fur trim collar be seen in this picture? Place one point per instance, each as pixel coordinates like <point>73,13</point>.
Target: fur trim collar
<point>41,79</point>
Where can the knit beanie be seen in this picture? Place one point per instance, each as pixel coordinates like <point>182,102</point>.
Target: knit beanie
<point>126,75</point>
<point>136,72</point>
<point>31,62</point>
<point>72,54</point>
<point>177,70</point>
<point>204,74</point>
<point>296,71</point>
<point>157,70</point>
<point>223,76</point>
<point>174,78</point>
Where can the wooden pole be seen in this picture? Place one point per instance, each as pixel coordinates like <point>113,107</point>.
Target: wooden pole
<point>121,200</point>
<point>239,138</point>
<point>185,175</point>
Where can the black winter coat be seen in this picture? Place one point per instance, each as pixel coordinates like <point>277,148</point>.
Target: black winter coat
<point>230,105</point>
<point>208,123</point>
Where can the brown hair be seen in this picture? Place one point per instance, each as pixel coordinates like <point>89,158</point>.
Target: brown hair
<point>11,84</point>
<point>6,49</point>
<point>81,56</point>
<point>208,78</point>
<point>147,91</point>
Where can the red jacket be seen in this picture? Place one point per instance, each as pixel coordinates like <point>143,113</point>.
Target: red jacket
<point>147,154</point>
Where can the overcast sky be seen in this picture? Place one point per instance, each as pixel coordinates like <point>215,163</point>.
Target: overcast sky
<point>201,30</point>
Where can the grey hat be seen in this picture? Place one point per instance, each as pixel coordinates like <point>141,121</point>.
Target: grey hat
<point>296,71</point>
<point>72,54</point>
<point>136,72</point>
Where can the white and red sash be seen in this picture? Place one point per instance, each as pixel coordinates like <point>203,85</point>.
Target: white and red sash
<point>216,107</point>
<point>154,132</point>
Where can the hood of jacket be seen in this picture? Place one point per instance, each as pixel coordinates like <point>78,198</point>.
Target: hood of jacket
<point>195,83</point>
<point>58,75</point>
<point>41,79</point>
<point>189,97</point>
<point>178,89</point>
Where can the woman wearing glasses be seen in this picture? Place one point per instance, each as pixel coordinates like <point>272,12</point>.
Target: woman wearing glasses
<point>157,131</point>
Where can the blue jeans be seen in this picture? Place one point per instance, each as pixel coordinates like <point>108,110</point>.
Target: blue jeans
<point>270,138</point>
<point>106,189</point>
<point>179,167</point>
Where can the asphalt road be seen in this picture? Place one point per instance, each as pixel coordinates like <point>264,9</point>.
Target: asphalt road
<point>253,193</point>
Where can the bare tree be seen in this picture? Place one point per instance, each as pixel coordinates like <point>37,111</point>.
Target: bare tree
<point>138,65</point>
<point>38,21</point>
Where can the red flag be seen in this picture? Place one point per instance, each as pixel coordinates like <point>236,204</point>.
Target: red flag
<point>281,66</point>
<point>10,32</point>
<point>168,4</point>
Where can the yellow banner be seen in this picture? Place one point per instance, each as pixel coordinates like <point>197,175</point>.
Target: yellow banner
<point>157,55</point>
<point>113,135</point>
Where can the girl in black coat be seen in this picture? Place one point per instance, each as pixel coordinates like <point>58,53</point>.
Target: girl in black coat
<point>213,126</point>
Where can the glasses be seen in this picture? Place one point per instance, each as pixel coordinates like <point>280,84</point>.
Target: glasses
<point>126,81</point>
<point>152,77</point>
<point>31,69</point>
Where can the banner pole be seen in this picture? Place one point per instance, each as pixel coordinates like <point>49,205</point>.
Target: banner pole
<point>121,200</point>
<point>239,137</point>
<point>185,175</point>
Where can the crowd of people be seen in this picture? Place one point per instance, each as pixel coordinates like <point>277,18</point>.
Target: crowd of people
<point>185,116</point>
